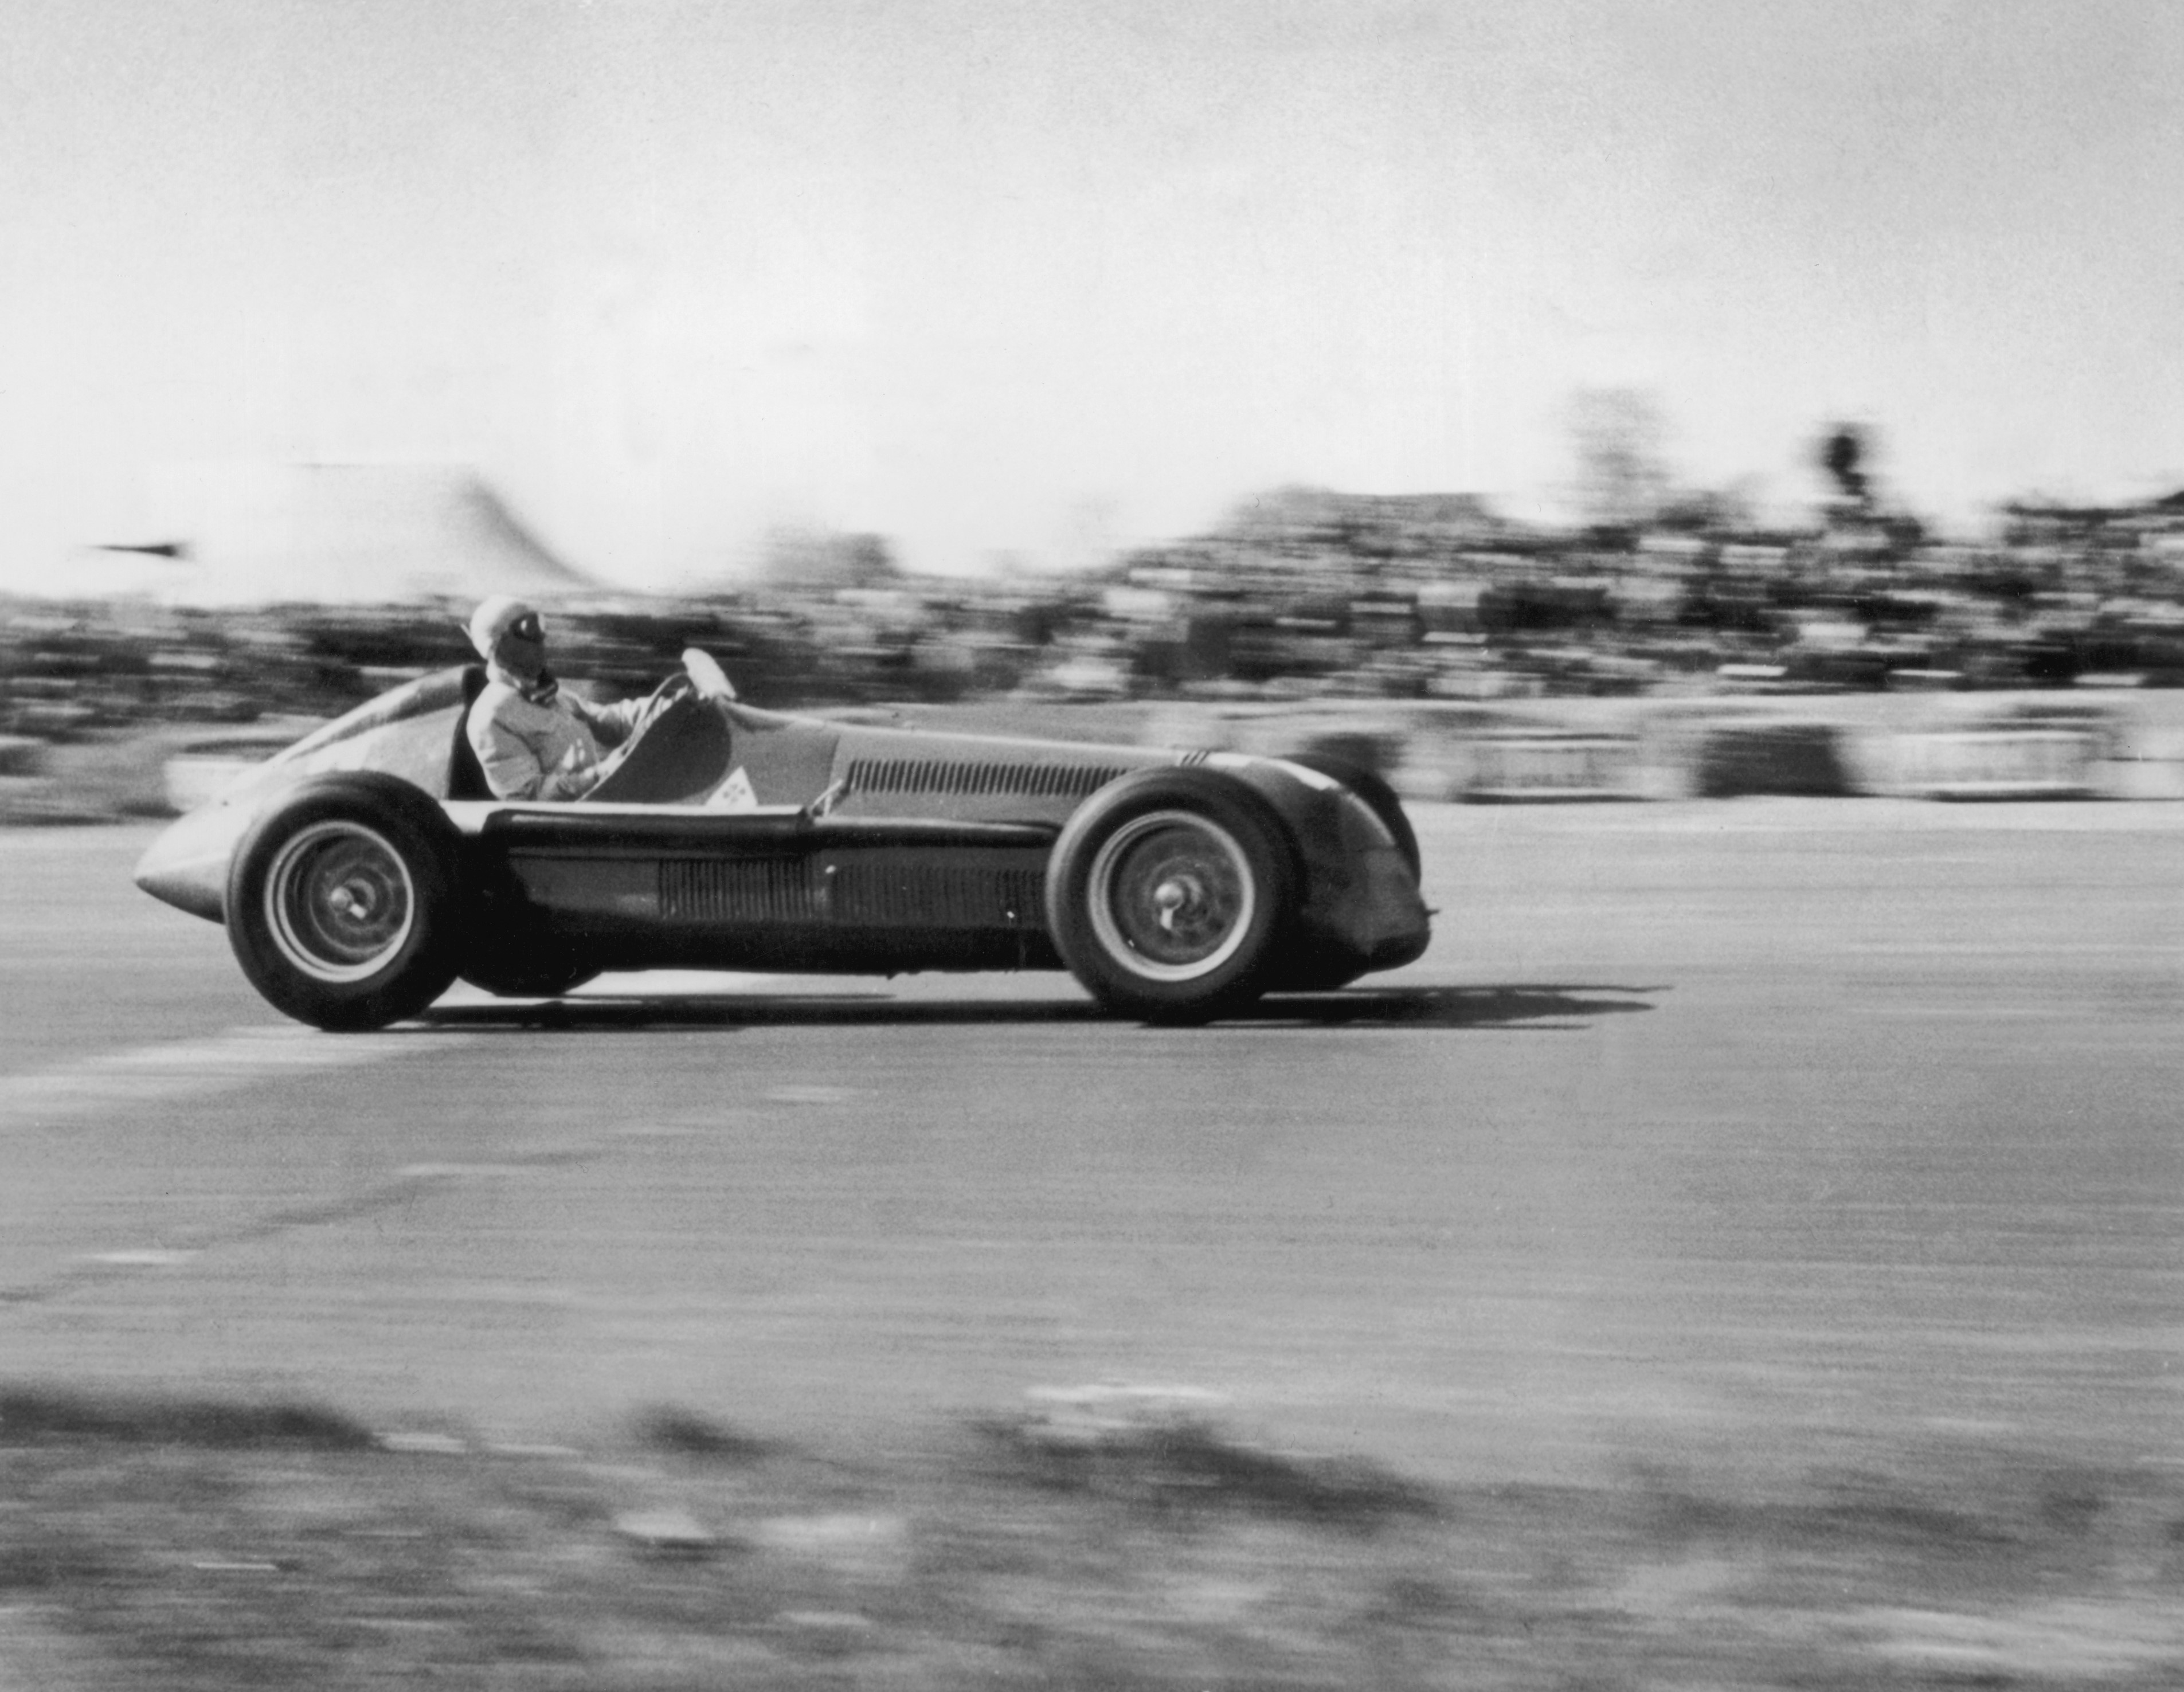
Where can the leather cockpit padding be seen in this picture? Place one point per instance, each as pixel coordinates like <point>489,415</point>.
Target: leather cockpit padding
<point>465,775</point>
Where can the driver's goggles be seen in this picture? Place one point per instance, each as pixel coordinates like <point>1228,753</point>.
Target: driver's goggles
<point>529,627</point>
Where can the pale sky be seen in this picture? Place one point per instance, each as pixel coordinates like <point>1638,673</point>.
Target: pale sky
<point>1046,276</point>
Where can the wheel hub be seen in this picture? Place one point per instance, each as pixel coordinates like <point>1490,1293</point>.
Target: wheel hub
<point>352,901</point>
<point>339,901</point>
<point>1170,896</point>
<point>1173,899</point>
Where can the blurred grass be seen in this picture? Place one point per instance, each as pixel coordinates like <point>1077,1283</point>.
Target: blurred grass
<point>123,776</point>
<point>120,775</point>
<point>31,1416</point>
<point>143,1544</point>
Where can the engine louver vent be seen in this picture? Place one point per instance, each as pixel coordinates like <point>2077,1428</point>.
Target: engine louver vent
<point>929,776</point>
<point>876,896</point>
<point>867,895</point>
<point>749,890</point>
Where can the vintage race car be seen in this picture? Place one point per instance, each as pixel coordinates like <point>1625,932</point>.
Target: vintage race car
<point>362,870</point>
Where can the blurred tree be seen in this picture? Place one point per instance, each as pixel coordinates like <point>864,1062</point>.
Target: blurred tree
<point>1844,452</point>
<point>1617,432</point>
<point>1706,511</point>
<point>821,560</point>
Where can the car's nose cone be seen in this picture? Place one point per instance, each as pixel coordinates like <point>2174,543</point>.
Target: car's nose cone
<point>186,866</point>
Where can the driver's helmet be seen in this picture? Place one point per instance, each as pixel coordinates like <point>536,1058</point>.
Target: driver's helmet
<point>496,616</point>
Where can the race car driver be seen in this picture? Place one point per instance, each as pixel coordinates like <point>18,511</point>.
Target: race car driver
<point>533,740</point>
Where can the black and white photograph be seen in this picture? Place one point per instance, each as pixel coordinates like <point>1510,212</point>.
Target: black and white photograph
<point>1129,845</point>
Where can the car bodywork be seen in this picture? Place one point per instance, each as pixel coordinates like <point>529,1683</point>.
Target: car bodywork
<point>733,837</point>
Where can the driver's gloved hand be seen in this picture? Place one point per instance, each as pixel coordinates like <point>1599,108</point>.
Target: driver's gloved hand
<point>575,774</point>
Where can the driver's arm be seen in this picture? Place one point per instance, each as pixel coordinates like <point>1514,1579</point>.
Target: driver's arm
<point>611,724</point>
<point>515,770</point>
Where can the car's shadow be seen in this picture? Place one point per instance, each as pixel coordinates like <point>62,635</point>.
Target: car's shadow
<point>1544,1008</point>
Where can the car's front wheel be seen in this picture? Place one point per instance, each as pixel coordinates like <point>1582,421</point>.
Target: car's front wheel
<point>342,903</point>
<point>1169,891</point>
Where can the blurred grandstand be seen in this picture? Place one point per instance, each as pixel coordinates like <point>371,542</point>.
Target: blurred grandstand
<point>1302,591</point>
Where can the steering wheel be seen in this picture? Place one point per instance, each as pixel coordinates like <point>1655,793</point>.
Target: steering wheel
<point>657,704</point>
<point>671,688</point>
<point>699,685</point>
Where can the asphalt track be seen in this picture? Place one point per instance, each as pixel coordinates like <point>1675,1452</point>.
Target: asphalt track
<point>1741,1133</point>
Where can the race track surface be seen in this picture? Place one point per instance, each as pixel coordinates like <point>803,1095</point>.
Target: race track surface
<point>1732,1134</point>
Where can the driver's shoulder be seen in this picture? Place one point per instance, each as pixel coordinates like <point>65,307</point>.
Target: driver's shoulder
<point>499,703</point>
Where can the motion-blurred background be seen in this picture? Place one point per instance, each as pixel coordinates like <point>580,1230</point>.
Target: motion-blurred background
<point>922,351</point>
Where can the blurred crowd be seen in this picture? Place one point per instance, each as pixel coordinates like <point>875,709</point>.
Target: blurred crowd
<point>1303,593</point>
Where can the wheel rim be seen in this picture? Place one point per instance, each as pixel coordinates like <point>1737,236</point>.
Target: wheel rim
<point>339,901</point>
<point>1172,896</point>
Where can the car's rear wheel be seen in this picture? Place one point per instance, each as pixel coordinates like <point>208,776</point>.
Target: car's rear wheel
<point>1169,891</point>
<point>342,903</point>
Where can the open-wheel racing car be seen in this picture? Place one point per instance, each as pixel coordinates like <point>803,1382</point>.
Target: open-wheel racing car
<point>361,870</point>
